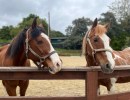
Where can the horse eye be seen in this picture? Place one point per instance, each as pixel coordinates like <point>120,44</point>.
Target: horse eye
<point>39,42</point>
<point>95,39</point>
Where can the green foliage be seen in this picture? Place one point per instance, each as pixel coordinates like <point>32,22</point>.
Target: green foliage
<point>120,29</point>
<point>115,32</point>
<point>118,41</point>
<point>5,33</point>
<point>76,32</point>
<point>28,21</point>
<point>54,33</point>
<point>126,25</point>
<point>14,31</point>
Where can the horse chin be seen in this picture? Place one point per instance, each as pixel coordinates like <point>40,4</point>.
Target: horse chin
<point>52,70</point>
<point>106,70</point>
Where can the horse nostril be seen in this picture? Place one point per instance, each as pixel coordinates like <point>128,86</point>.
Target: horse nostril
<point>108,66</point>
<point>58,65</point>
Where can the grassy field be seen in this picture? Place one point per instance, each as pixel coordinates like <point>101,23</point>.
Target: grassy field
<point>63,87</point>
<point>65,52</point>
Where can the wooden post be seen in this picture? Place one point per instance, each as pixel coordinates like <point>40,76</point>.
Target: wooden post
<point>91,85</point>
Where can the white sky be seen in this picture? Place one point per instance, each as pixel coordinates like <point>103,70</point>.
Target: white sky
<point>63,12</point>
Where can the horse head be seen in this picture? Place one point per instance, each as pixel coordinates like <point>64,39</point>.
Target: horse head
<point>97,45</point>
<point>40,50</point>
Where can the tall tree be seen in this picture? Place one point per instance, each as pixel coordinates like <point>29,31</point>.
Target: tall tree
<point>75,33</point>
<point>54,33</point>
<point>5,33</point>
<point>115,32</point>
<point>121,9</point>
<point>26,22</point>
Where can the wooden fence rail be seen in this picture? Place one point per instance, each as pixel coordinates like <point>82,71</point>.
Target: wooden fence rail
<point>90,75</point>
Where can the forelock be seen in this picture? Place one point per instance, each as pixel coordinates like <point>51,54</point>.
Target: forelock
<point>37,31</point>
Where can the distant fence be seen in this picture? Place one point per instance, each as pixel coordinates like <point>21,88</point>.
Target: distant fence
<point>3,43</point>
<point>90,75</point>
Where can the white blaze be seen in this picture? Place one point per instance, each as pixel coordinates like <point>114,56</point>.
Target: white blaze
<point>112,88</point>
<point>105,40</point>
<point>54,57</point>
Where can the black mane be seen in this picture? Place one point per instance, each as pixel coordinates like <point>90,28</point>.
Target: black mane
<point>18,42</point>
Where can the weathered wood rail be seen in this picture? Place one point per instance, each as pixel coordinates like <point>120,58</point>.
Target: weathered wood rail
<point>90,75</point>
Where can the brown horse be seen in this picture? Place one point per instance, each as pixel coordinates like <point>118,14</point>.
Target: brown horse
<point>99,53</point>
<point>32,43</point>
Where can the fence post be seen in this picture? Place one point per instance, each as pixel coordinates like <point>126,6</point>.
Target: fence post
<point>91,85</point>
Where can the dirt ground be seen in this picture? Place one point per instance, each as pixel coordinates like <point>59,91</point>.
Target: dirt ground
<point>63,87</point>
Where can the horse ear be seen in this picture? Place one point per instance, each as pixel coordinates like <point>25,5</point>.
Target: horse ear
<point>95,23</point>
<point>34,24</point>
<point>107,26</point>
<point>41,25</point>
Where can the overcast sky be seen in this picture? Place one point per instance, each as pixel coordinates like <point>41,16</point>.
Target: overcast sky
<point>63,12</point>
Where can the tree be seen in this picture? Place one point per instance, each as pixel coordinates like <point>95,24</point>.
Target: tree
<point>27,23</point>
<point>121,9</point>
<point>116,33</point>
<point>126,25</point>
<point>75,33</point>
<point>5,32</point>
<point>15,31</point>
<point>54,33</point>
<point>8,32</point>
<point>68,30</point>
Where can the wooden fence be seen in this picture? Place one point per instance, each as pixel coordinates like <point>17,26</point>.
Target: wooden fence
<point>90,75</point>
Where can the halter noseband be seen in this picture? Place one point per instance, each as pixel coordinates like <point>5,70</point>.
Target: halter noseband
<point>28,48</point>
<point>94,51</point>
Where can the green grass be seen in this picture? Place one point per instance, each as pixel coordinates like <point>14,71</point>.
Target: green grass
<point>64,52</point>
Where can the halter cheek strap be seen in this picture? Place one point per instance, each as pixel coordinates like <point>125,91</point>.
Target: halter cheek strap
<point>94,51</point>
<point>28,48</point>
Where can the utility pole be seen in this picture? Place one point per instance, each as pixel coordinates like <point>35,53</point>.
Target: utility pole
<point>48,23</point>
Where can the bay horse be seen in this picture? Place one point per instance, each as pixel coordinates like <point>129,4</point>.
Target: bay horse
<point>97,50</point>
<point>32,43</point>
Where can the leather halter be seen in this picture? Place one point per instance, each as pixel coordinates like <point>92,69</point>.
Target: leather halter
<point>28,48</point>
<point>94,51</point>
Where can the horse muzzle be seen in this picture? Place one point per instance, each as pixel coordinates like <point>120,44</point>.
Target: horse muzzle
<point>55,69</point>
<point>107,68</point>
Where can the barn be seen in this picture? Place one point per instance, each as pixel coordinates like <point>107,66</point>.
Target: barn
<point>57,42</point>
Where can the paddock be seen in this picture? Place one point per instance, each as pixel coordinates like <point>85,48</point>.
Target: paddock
<point>70,88</point>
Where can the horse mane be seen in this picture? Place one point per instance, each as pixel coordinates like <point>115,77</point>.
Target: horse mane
<point>84,44</point>
<point>99,30</point>
<point>18,42</point>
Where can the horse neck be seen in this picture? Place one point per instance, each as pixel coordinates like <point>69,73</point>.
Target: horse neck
<point>122,57</point>
<point>90,61</point>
